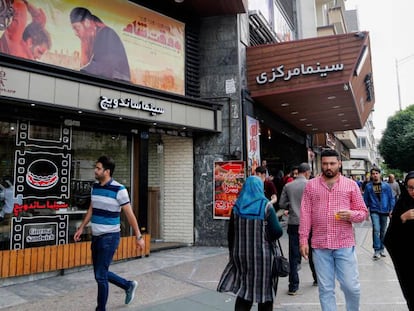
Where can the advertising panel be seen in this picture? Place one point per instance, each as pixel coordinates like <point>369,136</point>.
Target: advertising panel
<point>229,178</point>
<point>253,144</point>
<point>113,39</point>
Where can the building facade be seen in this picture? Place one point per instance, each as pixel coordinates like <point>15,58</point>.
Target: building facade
<point>213,89</point>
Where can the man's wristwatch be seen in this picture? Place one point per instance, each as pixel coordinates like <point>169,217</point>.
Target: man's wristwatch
<point>139,237</point>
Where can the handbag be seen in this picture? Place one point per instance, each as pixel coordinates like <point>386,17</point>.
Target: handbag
<point>282,268</point>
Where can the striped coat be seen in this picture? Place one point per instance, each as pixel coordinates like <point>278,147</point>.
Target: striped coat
<point>249,271</point>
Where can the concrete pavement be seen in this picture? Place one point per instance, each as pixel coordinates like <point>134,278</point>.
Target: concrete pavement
<point>186,279</point>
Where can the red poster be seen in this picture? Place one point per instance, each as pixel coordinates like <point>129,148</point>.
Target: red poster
<point>229,178</point>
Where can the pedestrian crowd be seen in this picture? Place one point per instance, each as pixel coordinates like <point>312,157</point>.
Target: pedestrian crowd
<point>320,212</point>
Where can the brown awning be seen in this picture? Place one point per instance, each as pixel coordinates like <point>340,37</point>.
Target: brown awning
<point>322,84</point>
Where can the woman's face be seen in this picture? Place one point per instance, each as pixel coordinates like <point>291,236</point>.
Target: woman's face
<point>410,187</point>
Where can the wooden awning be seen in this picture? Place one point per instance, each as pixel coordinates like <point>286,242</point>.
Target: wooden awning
<point>322,84</point>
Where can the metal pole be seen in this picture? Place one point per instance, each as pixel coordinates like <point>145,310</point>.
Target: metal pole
<point>397,63</point>
<point>398,84</point>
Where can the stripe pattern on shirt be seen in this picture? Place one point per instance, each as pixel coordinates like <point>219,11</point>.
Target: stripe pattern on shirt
<point>107,201</point>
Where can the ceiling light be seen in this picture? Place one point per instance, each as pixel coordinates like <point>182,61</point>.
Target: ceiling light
<point>336,107</point>
<point>341,114</point>
<point>309,124</point>
<point>294,112</point>
<point>331,97</point>
<point>284,104</point>
<point>303,119</point>
<point>179,1</point>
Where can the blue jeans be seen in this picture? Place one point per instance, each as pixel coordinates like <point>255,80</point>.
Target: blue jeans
<point>103,249</point>
<point>294,257</point>
<point>379,226</point>
<point>342,264</point>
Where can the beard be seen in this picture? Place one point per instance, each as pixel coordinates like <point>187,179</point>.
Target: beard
<point>330,173</point>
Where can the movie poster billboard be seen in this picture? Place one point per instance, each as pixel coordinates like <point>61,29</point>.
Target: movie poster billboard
<point>253,144</point>
<point>113,39</point>
<point>229,177</point>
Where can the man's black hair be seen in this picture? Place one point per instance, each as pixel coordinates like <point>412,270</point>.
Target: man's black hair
<point>260,169</point>
<point>107,163</point>
<point>79,14</point>
<point>375,169</point>
<point>330,153</point>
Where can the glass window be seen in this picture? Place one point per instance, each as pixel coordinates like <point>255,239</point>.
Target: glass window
<point>30,201</point>
<point>7,148</point>
<point>87,147</point>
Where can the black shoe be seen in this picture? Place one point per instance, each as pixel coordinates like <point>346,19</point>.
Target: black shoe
<point>292,292</point>
<point>1,218</point>
<point>315,283</point>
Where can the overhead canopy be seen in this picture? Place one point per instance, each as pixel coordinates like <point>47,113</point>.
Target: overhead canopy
<point>322,84</point>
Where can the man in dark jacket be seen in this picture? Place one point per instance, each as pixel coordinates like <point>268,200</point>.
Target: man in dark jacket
<point>380,201</point>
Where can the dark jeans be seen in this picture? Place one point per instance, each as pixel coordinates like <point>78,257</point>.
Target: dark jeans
<point>103,249</point>
<point>294,257</point>
<point>379,227</point>
<point>310,257</point>
<point>245,305</point>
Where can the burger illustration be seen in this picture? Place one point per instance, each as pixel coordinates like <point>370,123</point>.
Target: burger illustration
<point>42,174</point>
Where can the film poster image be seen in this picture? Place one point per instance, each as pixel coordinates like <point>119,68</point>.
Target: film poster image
<point>229,177</point>
<point>114,39</point>
<point>253,144</point>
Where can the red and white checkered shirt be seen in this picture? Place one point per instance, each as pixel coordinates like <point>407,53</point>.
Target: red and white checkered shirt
<point>319,206</point>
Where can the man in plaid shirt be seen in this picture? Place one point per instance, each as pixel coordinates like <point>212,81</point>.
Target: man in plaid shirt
<point>330,204</point>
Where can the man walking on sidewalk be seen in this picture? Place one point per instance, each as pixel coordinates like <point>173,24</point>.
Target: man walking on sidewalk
<point>380,201</point>
<point>108,199</point>
<point>330,204</point>
<point>290,200</point>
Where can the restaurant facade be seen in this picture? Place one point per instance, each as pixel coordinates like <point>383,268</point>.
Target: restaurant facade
<point>199,110</point>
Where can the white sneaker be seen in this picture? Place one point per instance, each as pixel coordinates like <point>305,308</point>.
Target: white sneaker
<point>376,256</point>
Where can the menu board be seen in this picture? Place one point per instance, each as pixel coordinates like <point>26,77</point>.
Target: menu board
<point>229,177</point>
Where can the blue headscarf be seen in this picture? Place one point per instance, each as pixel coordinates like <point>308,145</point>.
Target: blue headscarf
<point>251,203</point>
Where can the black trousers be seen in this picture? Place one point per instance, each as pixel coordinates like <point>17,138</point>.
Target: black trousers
<point>245,305</point>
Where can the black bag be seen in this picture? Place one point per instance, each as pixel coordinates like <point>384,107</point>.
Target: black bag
<point>282,266</point>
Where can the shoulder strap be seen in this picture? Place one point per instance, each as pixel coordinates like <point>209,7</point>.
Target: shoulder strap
<point>280,247</point>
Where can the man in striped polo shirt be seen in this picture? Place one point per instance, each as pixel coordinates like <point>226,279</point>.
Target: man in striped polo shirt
<point>108,199</point>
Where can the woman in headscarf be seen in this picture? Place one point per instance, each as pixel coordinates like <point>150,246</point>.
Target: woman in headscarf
<point>253,227</point>
<point>401,230</point>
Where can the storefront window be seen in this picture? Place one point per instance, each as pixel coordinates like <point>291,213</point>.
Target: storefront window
<point>46,173</point>
<point>87,147</point>
<point>7,147</point>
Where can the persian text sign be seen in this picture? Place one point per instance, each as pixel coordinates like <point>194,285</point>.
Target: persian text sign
<point>229,178</point>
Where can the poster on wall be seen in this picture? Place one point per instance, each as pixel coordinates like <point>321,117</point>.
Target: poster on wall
<point>39,231</point>
<point>229,177</point>
<point>42,167</point>
<point>113,39</point>
<point>253,144</point>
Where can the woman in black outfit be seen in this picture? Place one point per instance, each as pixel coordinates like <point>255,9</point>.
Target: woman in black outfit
<point>397,239</point>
